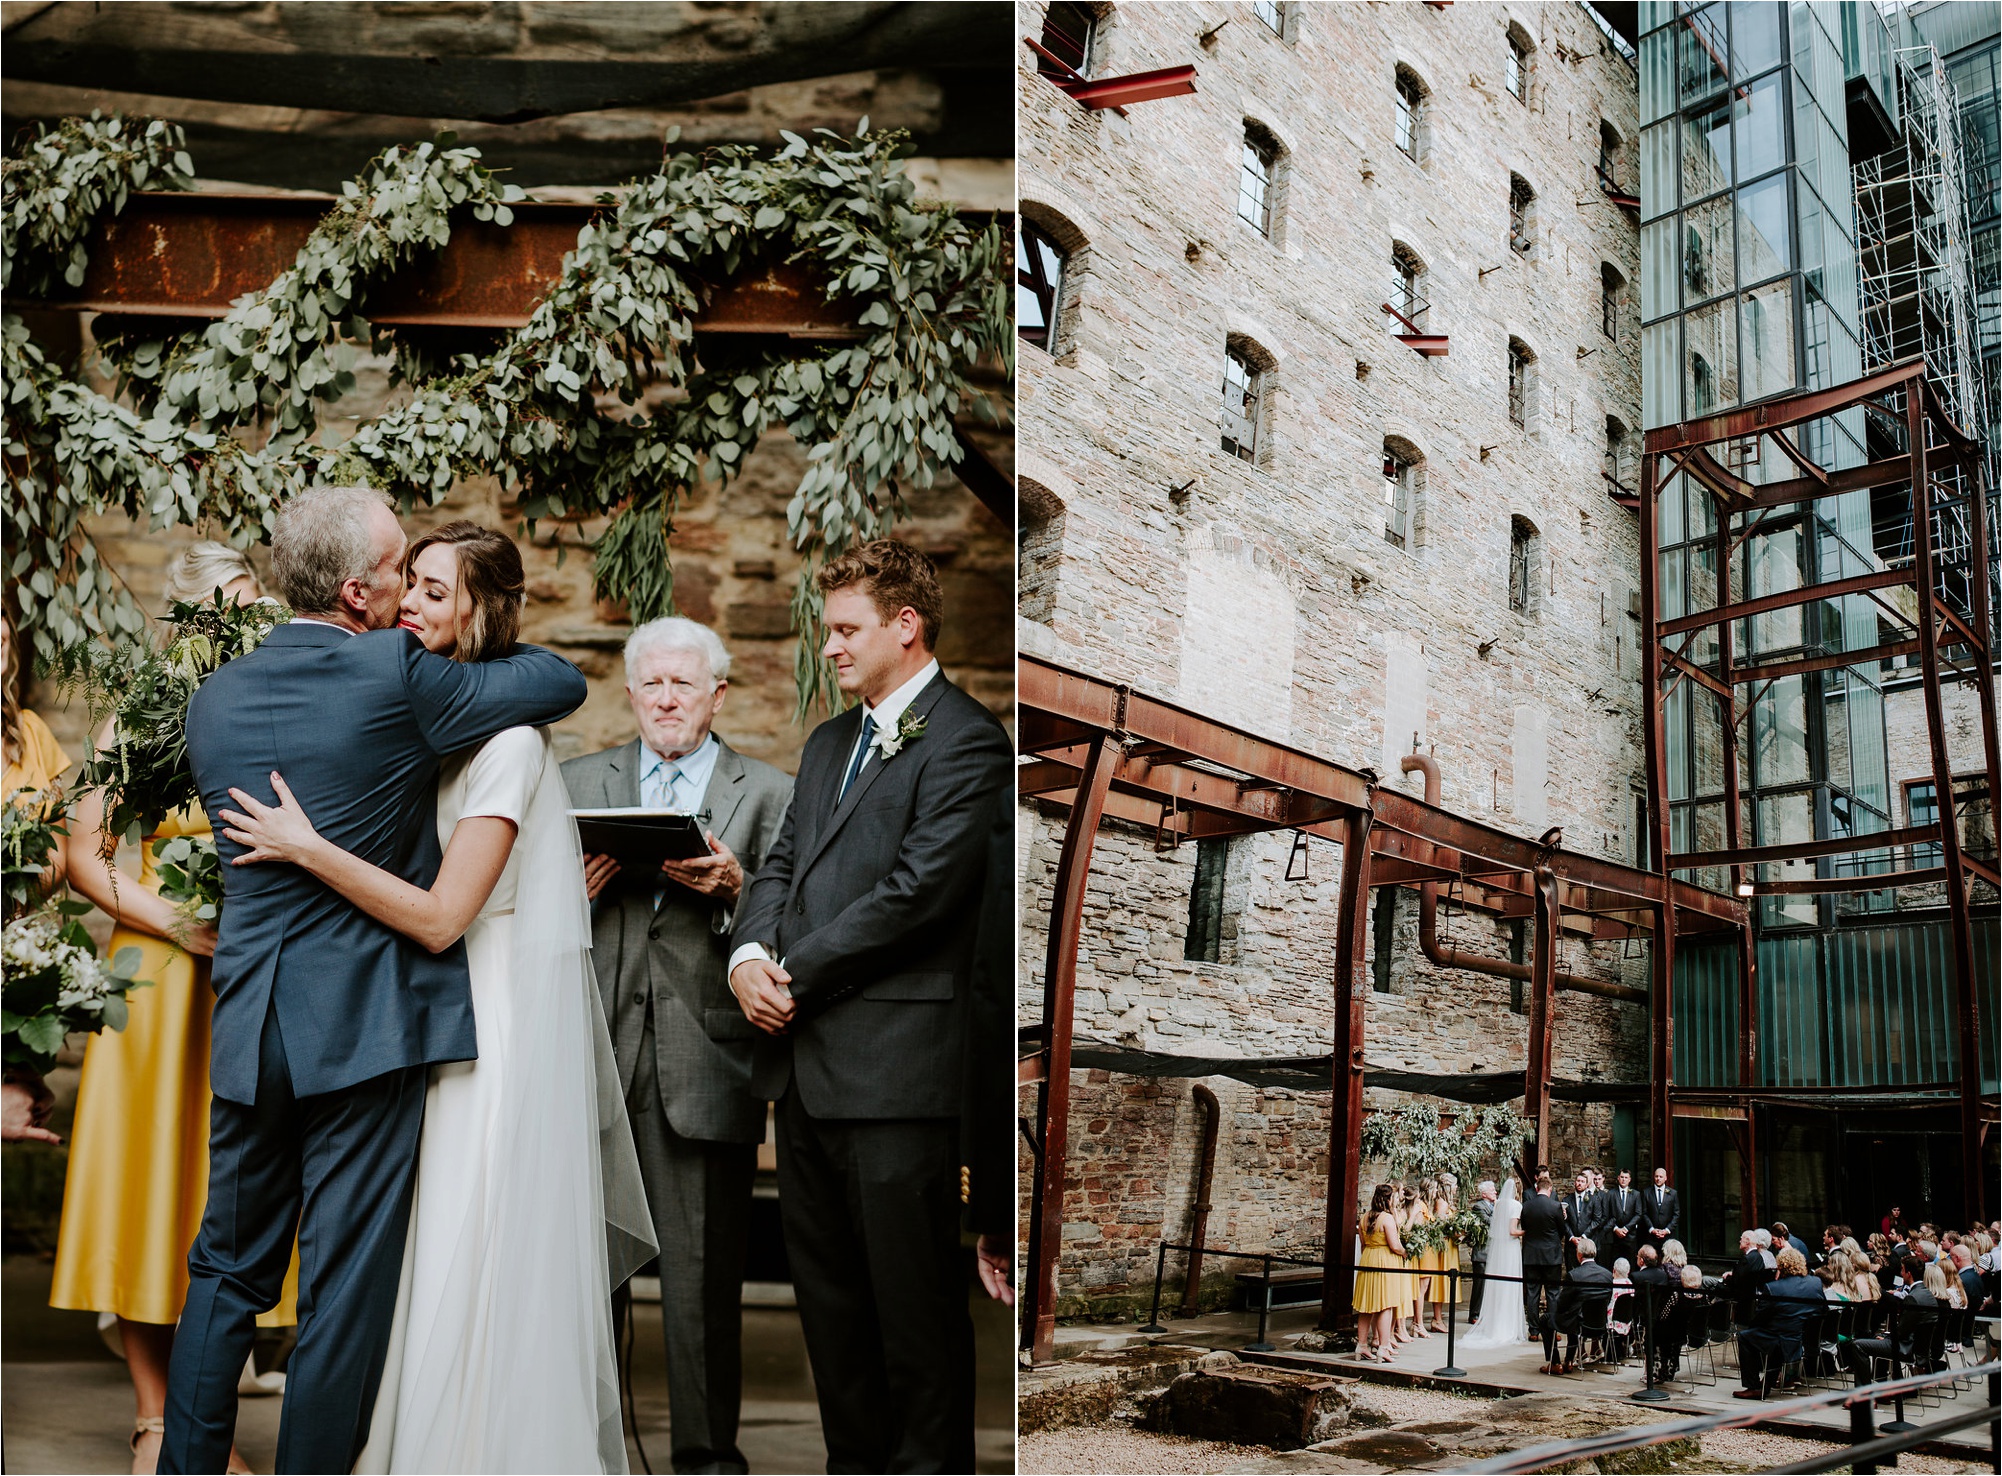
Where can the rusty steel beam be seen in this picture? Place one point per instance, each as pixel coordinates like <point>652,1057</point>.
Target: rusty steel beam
<point>1806,489</point>
<point>1345,1112</point>
<point>1661,954</point>
<point>1805,595</point>
<point>192,255</point>
<point>1542,999</point>
<point>1772,671</point>
<point>1046,1209</point>
<point>1754,420</point>
<point>1876,881</point>
<point>1803,850</point>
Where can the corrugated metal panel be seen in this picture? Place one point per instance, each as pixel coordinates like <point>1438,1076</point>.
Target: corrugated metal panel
<point>1706,1015</point>
<point>1793,1013</point>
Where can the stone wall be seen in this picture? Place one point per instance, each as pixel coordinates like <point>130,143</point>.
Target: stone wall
<point>1266,593</point>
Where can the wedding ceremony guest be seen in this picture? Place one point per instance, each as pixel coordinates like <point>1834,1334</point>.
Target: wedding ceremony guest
<point>1587,1285</point>
<point>1893,1226</point>
<point>1477,1255</point>
<point>1542,1228</point>
<point>1622,1311</point>
<point>1378,1297</point>
<point>1883,1262</point>
<point>1836,1277</point>
<point>1785,1237</point>
<point>1625,1219</point>
<point>852,956</point>
<point>1754,1269</point>
<point>1916,1311</point>
<point>1663,1207</point>
<point>1771,1337</point>
<point>139,1149</point>
<point>661,947</point>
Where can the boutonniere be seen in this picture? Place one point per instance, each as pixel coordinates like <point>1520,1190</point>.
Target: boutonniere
<point>910,728</point>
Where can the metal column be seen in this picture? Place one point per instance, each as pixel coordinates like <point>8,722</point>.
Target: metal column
<point>1542,995</point>
<point>1661,992</point>
<point>1345,1108</point>
<point>1053,1106</point>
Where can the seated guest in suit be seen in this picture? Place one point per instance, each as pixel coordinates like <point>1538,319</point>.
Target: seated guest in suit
<point>1915,1310</point>
<point>1587,1286</point>
<point>660,944</point>
<point>1754,1270</point>
<point>1783,1310</point>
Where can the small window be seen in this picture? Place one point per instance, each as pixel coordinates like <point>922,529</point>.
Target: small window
<point>1521,386</point>
<point>1205,938</point>
<point>1407,273</point>
<point>1521,221</point>
<point>1398,475</point>
<point>1922,806</point>
<point>1273,13</point>
<point>1521,542</point>
<point>1039,267</point>
<point>1610,284</point>
<point>1256,159</point>
<point>1070,31</point>
<point>1702,385</point>
<point>1240,405</point>
<point>1410,113</point>
<point>1383,937</point>
<point>1520,64</point>
<point>1619,470</point>
<point>1609,158</point>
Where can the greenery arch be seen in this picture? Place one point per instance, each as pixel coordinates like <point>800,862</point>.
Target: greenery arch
<point>215,427</point>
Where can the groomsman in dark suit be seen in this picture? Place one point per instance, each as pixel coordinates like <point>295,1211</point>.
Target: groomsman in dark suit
<point>854,956</point>
<point>1581,1215</point>
<point>1625,1223</point>
<point>1663,1208</point>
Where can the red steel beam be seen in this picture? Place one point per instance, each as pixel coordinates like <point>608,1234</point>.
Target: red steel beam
<point>1770,671</point>
<point>171,255</point>
<point>1780,414</point>
<point>1345,1105</point>
<point>1876,881</point>
<point>1805,595</point>
<point>1802,850</point>
<point>1046,1209</point>
<point>1542,999</point>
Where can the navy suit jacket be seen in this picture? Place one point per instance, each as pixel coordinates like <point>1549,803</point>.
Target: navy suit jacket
<point>357,724</point>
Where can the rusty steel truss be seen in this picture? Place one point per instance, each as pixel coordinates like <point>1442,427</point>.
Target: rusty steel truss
<point>1102,750</point>
<point>1943,469</point>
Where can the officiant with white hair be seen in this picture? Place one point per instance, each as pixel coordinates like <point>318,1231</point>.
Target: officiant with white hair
<point>661,946</point>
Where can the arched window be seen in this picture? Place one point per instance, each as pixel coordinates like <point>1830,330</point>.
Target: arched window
<point>1611,287</point>
<point>1407,277</point>
<point>1520,65</point>
<point>1411,95</point>
<point>1619,471</point>
<point>1403,476</point>
<point>1040,550</point>
<point>1070,31</point>
<point>1521,563</point>
<point>1039,268</point>
<point>1609,156</point>
<point>1258,178</point>
<point>1521,214</point>
<point>1243,376</point>
<point>1521,382</point>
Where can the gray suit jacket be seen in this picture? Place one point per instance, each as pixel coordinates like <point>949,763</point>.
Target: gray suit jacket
<point>872,905</point>
<point>678,956</point>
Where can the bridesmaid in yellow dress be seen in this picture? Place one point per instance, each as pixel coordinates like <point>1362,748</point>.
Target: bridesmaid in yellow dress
<point>1445,1206</point>
<point>1423,1288</point>
<point>35,763</point>
<point>1401,1205</point>
<point>139,1156</point>
<point>1379,1299</point>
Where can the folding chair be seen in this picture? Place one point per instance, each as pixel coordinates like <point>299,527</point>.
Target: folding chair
<point>1700,1343</point>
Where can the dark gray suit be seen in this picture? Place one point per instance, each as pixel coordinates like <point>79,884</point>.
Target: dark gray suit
<point>684,1052</point>
<point>872,905</point>
<point>325,1018</point>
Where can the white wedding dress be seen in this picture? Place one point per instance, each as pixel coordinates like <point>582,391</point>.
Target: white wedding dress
<point>528,1207</point>
<point>1502,1324</point>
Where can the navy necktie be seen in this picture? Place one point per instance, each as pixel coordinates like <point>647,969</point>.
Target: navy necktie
<point>861,752</point>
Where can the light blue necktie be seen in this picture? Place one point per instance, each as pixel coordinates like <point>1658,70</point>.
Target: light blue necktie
<point>861,752</point>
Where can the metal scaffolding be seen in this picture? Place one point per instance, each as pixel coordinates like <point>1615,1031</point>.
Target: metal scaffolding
<point>1933,606</point>
<point>1912,242</point>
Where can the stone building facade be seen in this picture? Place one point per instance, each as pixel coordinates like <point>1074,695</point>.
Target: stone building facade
<point>1381,551</point>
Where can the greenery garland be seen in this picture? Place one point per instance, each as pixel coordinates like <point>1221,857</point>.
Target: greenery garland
<point>220,425</point>
<point>1411,1138</point>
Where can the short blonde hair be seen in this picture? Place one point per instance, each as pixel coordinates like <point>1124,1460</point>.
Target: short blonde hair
<point>200,569</point>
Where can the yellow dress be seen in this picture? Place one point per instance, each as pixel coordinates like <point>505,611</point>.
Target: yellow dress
<point>1425,1260</point>
<point>139,1149</point>
<point>1449,1260</point>
<point>1379,1291</point>
<point>41,761</point>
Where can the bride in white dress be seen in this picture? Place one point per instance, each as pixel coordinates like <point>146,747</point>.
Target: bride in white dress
<point>528,1206</point>
<point>1502,1324</point>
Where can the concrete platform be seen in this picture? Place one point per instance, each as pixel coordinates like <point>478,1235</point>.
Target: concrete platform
<point>67,1404</point>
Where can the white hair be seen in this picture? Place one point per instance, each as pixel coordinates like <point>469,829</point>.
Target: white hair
<point>200,569</point>
<point>1486,1186</point>
<point>1761,1238</point>
<point>678,633</point>
<point>1620,1266</point>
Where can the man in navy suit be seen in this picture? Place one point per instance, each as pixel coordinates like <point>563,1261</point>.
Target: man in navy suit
<point>325,1020</point>
<point>1783,1311</point>
<point>854,955</point>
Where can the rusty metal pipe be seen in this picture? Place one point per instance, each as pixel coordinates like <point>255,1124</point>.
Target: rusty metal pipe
<point>1447,957</point>
<point>1212,1118</point>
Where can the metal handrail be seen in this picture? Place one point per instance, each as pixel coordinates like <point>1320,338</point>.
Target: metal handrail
<point>1859,1401</point>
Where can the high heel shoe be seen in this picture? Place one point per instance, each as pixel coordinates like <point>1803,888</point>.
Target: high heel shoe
<point>142,1427</point>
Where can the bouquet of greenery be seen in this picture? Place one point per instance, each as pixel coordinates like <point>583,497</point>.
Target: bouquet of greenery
<point>55,983</point>
<point>1418,1238</point>
<point>145,691</point>
<point>31,830</point>
<point>1469,1229</point>
<point>190,876</point>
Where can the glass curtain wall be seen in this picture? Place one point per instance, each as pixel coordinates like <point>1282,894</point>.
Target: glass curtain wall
<point>1749,290</point>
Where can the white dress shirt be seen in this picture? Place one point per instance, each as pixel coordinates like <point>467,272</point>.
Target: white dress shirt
<point>887,714</point>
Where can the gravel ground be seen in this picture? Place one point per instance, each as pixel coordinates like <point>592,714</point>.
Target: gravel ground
<point>1117,1448</point>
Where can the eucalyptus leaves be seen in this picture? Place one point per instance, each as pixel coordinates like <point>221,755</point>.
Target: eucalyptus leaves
<point>220,423</point>
<point>1416,1146</point>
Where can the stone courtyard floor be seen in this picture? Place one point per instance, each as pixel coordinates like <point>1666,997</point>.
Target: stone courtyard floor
<point>1411,1395</point>
<point>67,1405</point>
